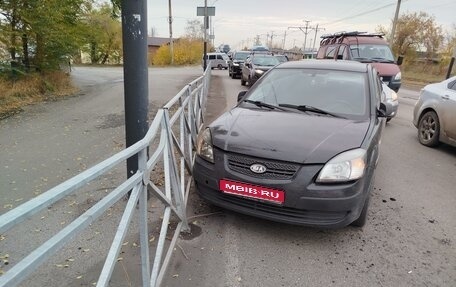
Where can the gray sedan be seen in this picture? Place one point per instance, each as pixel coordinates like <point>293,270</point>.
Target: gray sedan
<point>435,113</point>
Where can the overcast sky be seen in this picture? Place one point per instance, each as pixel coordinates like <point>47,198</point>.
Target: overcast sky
<point>238,22</point>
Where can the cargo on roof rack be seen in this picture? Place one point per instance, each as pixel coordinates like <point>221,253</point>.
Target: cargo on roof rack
<point>339,36</point>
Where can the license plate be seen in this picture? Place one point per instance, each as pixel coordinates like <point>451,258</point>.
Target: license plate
<point>252,191</point>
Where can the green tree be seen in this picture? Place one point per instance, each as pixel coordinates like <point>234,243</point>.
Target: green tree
<point>103,35</point>
<point>42,32</point>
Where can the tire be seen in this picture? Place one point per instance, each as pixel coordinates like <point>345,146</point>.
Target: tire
<point>388,119</point>
<point>230,74</point>
<point>242,81</point>
<point>362,219</point>
<point>220,67</point>
<point>429,129</point>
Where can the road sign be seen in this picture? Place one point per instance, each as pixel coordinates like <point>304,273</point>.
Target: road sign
<point>210,11</point>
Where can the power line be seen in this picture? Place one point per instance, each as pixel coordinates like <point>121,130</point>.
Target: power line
<point>363,13</point>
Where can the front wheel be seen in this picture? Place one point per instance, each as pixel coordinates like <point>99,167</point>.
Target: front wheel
<point>243,82</point>
<point>362,219</point>
<point>429,129</point>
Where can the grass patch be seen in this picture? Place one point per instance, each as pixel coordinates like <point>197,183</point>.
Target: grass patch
<point>424,73</point>
<point>32,88</point>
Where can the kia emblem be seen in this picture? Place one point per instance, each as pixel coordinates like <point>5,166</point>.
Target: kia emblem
<point>258,168</point>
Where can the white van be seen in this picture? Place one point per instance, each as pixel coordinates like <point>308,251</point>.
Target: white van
<point>218,60</point>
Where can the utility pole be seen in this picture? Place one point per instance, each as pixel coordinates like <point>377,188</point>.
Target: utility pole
<point>272,36</point>
<point>284,39</point>
<point>257,40</point>
<point>136,78</point>
<point>306,29</point>
<point>205,34</point>
<point>171,44</point>
<point>393,29</point>
<point>315,37</point>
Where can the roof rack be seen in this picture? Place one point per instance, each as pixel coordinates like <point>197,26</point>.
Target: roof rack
<point>338,37</point>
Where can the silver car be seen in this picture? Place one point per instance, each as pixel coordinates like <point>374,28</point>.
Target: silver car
<point>392,99</point>
<point>435,113</point>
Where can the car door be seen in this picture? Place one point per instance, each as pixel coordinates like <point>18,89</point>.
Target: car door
<point>448,108</point>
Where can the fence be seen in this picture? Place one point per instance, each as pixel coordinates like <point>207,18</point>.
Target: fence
<point>182,114</point>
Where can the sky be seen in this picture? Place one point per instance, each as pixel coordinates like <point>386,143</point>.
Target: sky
<point>238,22</point>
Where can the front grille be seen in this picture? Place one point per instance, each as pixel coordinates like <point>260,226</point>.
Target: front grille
<point>274,169</point>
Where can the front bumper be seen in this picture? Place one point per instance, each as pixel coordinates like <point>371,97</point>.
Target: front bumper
<point>306,203</point>
<point>394,105</point>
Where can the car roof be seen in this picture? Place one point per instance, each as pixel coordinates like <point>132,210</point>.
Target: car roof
<point>325,65</point>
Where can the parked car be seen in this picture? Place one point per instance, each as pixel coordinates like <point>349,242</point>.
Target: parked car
<point>365,48</point>
<point>236,63</point>
<point>255,66</point>
<point>300,147</point>
<point>218,60</point>
<point>392,99</point>
<point>435,113</point>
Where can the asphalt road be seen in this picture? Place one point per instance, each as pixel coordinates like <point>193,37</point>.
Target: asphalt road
<point>409,239</point>
<point>51,142</point>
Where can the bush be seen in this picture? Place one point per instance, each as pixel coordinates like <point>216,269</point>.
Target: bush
<point>186,52</point>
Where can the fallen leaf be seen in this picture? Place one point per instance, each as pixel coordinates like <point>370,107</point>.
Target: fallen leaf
<point>125,243</point>
<point>79,277</point>
<point>175,275</point>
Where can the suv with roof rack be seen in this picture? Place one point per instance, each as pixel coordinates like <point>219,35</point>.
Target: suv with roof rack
<point>365,48</point>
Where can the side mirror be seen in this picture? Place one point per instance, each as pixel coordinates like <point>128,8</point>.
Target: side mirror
<point>400,59</point>
<point>241,95</point>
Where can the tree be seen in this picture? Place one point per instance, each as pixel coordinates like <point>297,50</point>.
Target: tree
<point>103,35</point>
<point>417,31</point>
<point>194,30</point>
<point>41,32</point>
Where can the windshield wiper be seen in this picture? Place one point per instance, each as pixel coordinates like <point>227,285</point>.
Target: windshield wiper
<point>306,108</point>
<point>263,104</point>
<point>382,60</point>
<point>362,59</point>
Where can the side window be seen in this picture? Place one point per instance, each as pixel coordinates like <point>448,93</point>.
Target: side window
<point>211,57</point>
<point>321,53</point>
<point>219,57</point>
<point>452,85</point>
<point>330,52</point>
<point>342,53</point>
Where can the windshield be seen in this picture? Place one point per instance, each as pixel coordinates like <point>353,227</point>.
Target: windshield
<point>281,58</point>
<point>372,52</point>
<point>339,92</point>
<point>265,61</point>
<point>241,56</point>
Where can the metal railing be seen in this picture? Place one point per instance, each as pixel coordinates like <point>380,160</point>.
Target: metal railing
<point>184,114</point>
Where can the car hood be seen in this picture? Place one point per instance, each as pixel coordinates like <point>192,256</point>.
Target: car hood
<point>263,68</point>
<point>287,136</point>
<point>386,69</point>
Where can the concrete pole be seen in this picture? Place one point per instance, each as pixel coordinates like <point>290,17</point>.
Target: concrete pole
<point>136,77</point>
<point>171,44</point>
<point>393,29</point>
<point>205,34</point>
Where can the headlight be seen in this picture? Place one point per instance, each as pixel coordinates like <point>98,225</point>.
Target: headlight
<point>398,76</point>
<point>347,166</point>
<point>204,147</point>
<point>236,64</point>
<point>259,72</point>
<point>393,95</point>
